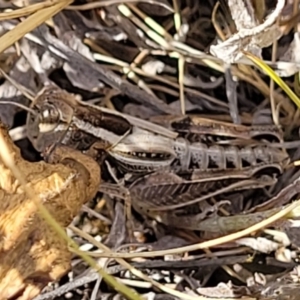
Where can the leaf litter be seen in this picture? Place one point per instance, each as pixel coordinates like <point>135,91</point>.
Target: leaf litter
<point>147,59</point>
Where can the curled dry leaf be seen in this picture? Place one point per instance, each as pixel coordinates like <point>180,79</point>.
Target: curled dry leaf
<point>31,253</point>
<point>249,37</point>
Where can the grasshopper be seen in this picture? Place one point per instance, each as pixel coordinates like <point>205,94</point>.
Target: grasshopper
<point>191,161</point>
<point>214,145</point>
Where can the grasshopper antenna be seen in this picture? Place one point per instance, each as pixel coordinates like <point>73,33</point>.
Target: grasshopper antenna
<point>20,105</point>
<point>26,92</point>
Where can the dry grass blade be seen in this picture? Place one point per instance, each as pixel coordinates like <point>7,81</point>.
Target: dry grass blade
<point>140,275</point>
<point>25,11</point>
<point>261,64</point>
<point>98,4</point>
<point>31,23</point>
<point>287,211</point>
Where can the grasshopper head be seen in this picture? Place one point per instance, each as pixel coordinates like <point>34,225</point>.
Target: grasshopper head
<point>50,120</point>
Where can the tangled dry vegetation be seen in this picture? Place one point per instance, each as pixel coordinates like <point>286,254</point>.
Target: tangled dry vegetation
<point>163,139</point>
<point>32,253</point>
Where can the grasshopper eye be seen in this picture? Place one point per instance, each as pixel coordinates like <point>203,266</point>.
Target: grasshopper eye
<point>49,118</point>
<point>49,114</point>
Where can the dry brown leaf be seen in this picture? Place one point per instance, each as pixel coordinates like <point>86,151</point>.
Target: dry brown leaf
<point>251,39</point>
<point>31,253</point>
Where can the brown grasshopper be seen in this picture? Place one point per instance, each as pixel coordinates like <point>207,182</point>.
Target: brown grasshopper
<point>215,145</point>
<point>187,164</point>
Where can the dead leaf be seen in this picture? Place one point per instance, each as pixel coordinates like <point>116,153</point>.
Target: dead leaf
<point>251,39</point>
<point>223,290</point>
<point>260,244</point>
<point>31,253</point>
